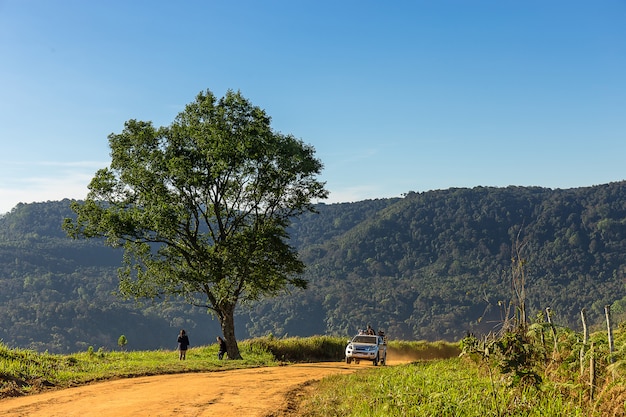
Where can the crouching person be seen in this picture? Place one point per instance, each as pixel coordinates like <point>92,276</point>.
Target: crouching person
<point>222,348</point>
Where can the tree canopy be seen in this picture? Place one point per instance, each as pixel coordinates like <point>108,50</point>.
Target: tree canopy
<point>202,207</point>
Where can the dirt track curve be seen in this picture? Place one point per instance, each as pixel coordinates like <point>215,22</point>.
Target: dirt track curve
<point>242,393</point>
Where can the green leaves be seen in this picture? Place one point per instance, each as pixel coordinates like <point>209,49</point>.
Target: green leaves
<point>201,206</point>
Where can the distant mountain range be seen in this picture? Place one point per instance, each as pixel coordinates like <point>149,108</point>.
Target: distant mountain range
<point>431,265</point>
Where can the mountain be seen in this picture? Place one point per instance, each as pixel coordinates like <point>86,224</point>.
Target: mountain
<point>431,265</point>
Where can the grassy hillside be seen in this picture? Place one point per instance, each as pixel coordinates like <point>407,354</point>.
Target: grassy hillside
<point>431,265</point>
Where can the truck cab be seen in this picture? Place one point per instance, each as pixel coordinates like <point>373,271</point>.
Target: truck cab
<point>367,347</point>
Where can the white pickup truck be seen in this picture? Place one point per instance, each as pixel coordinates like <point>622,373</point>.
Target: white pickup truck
<point>367,347</point>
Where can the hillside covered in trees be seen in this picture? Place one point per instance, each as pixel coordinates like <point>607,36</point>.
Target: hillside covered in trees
<point>430,265</point>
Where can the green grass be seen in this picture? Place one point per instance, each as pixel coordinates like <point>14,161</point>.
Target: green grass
<point>449,387</point>
<point>420,350</point>
<point>303,349</point>
<point>437,383</point>
<point>24,371</point>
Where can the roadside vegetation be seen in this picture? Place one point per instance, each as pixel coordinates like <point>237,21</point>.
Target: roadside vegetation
<point>447,387</point>
<point>542,371</point>
<point>26,371</point>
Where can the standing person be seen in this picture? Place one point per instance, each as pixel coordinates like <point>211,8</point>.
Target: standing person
<point>222,347</point>
<point>183,344</point>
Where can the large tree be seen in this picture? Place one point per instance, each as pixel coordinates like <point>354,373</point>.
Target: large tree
<point>201,207</point>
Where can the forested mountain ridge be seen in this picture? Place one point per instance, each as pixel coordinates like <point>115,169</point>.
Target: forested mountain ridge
<point>431,265</point>
<point>436,264</point>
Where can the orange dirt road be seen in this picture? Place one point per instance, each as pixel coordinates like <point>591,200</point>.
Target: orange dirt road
<point>247,392</point>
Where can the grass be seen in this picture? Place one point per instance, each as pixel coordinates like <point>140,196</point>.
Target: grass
<point>437,383</point>
<point>25,371</point>
<point>303,349</point>
<point>420,350</point>
<point>447,387</point>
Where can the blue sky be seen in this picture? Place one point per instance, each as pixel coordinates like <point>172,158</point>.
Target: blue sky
<point>394,96</point>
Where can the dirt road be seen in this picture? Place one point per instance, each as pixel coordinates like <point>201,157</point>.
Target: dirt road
<point>241,393</point>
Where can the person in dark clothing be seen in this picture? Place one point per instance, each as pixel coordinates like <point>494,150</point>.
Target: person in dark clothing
<point>222,348</point>
<point>183,344</point>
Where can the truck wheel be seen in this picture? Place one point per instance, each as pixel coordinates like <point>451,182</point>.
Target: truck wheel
<point>376,360</point>
<point>348,360</point>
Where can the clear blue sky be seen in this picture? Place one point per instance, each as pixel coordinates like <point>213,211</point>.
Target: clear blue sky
<point>394,96</point>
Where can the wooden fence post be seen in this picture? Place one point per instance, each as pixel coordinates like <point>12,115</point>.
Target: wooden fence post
<point>556,346</point>
<point>592,372</point>
<point>607,313</point>
<point>583,316</point>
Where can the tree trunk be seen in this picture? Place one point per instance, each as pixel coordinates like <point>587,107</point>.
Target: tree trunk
<point>227,322</point>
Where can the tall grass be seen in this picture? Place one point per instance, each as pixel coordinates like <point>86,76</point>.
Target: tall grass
<point>303,349</point>
<point>332,348</point>
<point>450,387</point>
<point>420,350</point>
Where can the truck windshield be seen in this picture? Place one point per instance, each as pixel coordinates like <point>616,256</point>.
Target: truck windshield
<point>365,339</point>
